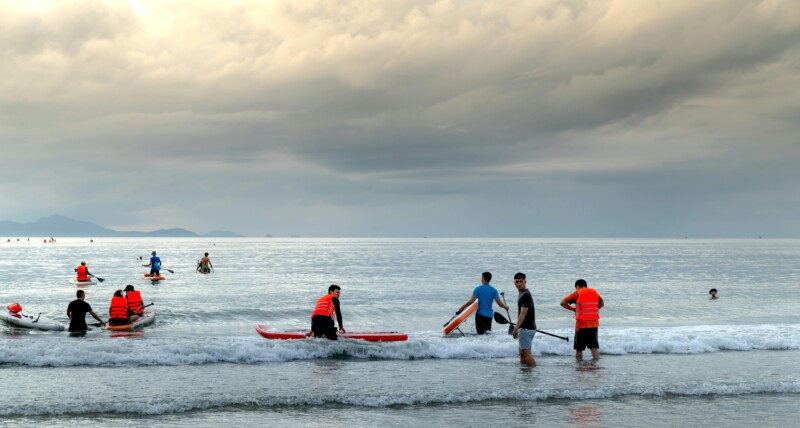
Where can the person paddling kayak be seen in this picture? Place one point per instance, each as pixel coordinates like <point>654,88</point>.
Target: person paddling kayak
<point>322,318</point>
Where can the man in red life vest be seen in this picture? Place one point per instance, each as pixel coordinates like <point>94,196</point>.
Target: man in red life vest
<point>587,318</point>
<point>82,273</point>
<point>323,315</point>
<point>134,298</point>
<point>118,310</point>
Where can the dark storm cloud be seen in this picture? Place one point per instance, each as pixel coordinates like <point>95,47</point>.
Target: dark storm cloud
<point>324,118</point>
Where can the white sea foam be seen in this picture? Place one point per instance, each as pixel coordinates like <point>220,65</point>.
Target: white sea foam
<point>421,398</point>
<point>58,352</point>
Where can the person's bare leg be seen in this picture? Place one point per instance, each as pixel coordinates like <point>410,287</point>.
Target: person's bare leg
<point>595,353</point>
<point>526,357</point>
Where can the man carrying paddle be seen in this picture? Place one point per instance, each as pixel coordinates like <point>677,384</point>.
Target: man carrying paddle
<point>587,318</point>
<point>525,328</point>
<point>485,294</point>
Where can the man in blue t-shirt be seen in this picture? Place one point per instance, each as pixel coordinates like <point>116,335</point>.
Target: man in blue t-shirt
<point>155,265</point>
<point>485,293</point>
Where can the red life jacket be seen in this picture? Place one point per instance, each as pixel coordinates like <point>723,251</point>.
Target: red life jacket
<point>82,273</point>
<point>325,306</point>
<point>588,305</point>
<point>135,304</point>
<point>119,308</point>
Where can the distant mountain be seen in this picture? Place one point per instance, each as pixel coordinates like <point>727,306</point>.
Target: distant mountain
<point>60,226</point>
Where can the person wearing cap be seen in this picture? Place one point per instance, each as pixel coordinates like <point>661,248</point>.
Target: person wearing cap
<point>155,265</point>
<point>134,298</point>
<point>82,273</point>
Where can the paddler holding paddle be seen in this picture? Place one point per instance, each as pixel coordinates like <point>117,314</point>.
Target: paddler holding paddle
<point>154,265</point>
<point>525,328</point>
<point>485,294</point>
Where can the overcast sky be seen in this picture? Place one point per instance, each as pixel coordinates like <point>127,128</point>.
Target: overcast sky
<point>595,118</point>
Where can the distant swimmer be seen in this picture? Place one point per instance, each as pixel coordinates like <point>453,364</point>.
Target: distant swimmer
<point>77,310</point>
<point>485,294</point>
<point>204,265</point>
<point>713,293</point>
<point>155,265</point>
<point>82,273</point>
<point>587,318</point>
<point>322,318</point>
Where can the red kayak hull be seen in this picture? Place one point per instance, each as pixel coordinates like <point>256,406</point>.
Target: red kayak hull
<point>369,336</point>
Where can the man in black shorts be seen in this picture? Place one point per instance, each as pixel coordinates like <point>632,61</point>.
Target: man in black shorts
<point>587,303</point>
<point>77,310</point>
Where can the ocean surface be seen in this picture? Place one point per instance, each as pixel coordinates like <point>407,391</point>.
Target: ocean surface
<point>670,355</point>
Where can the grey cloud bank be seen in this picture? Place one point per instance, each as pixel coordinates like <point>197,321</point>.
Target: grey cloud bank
<point>494,118</point>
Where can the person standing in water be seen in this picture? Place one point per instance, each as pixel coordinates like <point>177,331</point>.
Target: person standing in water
<point>712,293</point>
<point>77,310</point>
<point>587,318</point>
<point>485,294</point>
<point>525,328</point>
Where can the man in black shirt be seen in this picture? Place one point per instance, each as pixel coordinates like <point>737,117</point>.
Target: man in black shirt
<point>77,310</point>
<point>525,328</point>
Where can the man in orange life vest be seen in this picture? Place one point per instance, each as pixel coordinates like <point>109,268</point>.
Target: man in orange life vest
<point>587,318</point>
<point>82,273</point>
<point>322,317</point>
<point>134,298</point>
<point>118,311</point>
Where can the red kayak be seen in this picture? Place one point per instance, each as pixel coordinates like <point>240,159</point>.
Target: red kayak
<point>369,336</point>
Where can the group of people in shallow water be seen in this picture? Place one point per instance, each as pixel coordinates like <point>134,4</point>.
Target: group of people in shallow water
<point>586,302</point>
<point>124,309</point>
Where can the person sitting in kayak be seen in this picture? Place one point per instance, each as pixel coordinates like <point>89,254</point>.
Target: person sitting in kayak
<point>204,265</point>
<point>77,310</point>
<point>322,318</point>
<point>118,313</point>
<point>82,273</point>
<point>15,309</point>
<point>155,265</point>
<point>134,298</point>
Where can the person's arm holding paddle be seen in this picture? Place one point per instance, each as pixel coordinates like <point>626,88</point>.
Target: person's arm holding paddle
<point>523,310</point>
<point>500,303</point>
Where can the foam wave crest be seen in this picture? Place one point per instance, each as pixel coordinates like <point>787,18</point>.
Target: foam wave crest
<point>173,351</point>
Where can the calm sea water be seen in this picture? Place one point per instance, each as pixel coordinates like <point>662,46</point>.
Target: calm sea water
<point>670,355</point>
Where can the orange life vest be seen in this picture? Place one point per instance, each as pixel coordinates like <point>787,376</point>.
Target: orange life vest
<point>135,302</point>
<point>588,305</point>
<point>82,273</point>
<point>325,306</point>
<point>119,308</point>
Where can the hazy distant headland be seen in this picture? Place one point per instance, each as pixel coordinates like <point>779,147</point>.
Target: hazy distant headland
<point>60,226</point>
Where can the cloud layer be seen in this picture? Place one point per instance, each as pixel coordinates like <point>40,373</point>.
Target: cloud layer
<point>406,118</point>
